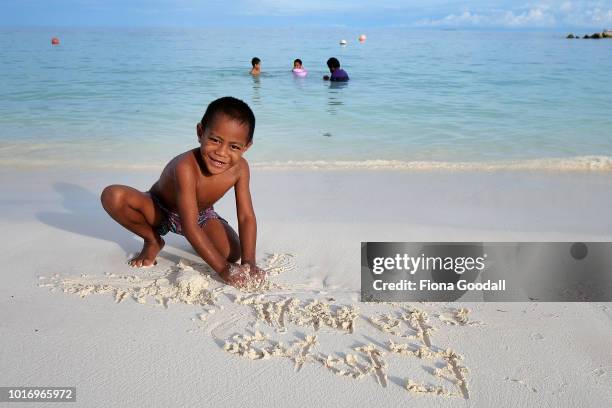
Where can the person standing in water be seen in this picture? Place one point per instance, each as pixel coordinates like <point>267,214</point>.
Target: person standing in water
<point>256,63</point>
<point>337,73</point>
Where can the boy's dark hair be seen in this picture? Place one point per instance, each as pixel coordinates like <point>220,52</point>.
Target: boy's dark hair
<point>333,63</point>
<point>299,61</point>
<point>233,108</point>
<point>255,61</point>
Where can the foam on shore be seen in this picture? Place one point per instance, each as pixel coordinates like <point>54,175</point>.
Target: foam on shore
<point>600,164</point>
<point>579,164</point>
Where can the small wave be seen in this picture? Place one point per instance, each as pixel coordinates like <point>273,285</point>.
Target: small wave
<point>582,163</point>
<point>573,164</point>
<point>50,163</point>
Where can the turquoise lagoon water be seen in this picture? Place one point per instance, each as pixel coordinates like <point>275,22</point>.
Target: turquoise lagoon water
<point>132,97</point>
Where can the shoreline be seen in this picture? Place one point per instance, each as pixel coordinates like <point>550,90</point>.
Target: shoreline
<point>576,164</point>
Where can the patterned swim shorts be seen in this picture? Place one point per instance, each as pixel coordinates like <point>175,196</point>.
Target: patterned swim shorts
<point>171,221</point>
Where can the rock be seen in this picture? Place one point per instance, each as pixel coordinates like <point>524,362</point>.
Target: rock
<point>586,36</point>
<point>597,36</point>
<point>570,35</point>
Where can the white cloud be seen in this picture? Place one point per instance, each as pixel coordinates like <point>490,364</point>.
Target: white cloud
<point>566,7</point>
<point>602,16</point>
<point>542,14</point>
<point>537,17</point>
<point>533,18</point>
<point>296,8</point>
<point>593,14</point>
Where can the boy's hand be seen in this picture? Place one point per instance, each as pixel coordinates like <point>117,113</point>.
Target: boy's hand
<point>255,272</point>
<point>240,275</point>
<point>234,275</point>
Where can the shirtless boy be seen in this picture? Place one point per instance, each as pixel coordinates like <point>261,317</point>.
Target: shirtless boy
<point>256,63</point>
<point>182,199</point>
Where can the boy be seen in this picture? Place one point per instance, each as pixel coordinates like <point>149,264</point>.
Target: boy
<point>337,73</point>
<point>256,63</point>
<point>182,199</point>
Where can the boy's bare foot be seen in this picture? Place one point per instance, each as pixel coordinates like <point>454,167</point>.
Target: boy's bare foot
<point>146,258</point>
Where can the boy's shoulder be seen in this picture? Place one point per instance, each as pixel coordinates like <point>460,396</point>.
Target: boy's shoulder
<point>186,161</point>
<point>241,168</point>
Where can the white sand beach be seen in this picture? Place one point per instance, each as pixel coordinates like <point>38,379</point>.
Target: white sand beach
<point>72,313</point>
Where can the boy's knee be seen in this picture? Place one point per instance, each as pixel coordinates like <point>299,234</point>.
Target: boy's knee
<point>111,197</point>
<point>224,238</point>
<point>234,254</point>
<point>234,246</point>
<point>234,250</point>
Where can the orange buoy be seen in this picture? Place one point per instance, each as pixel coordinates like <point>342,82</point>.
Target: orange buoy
<point>55,41</point>
<point>362,38</point>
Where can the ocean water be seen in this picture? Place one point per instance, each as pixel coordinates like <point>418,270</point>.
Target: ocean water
<point>132,97</point>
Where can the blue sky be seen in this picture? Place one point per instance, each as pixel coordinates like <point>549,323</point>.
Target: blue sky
<point>544,14</point>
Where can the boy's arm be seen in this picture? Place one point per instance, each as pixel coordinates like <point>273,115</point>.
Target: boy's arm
<point>187,206</point>
<point>247,223</point>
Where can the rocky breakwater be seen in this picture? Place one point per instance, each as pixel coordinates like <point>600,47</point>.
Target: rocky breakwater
<point>595,36</point>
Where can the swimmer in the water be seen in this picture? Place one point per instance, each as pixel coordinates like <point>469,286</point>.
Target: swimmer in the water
<point>337,73</point>
<point>298,69</point>
<point>256,63</point>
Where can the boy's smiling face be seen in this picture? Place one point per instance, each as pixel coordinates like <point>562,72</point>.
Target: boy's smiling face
<point>222,143</point>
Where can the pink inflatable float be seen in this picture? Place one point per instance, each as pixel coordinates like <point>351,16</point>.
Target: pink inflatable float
<point>301,72</point>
